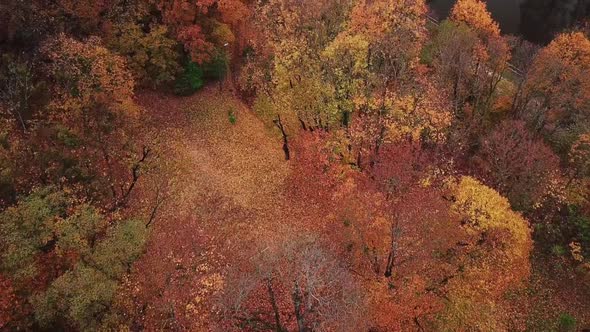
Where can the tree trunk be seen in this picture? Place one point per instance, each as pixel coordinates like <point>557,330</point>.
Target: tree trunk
<point>297,303</point>
<point>456,94</point>
<point>21,121</point>
<point>391,256</point>
<point>158,202</point>
<point>303,124</point>
<point>281,127</point>
<point>275,307</point>
<point>389,266</point>
<point>126,193</point>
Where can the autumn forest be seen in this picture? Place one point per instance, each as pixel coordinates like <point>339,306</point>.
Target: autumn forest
<point>290,165</point>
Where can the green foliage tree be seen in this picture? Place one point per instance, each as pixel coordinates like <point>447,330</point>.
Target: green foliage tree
<point>89,256</point>
<point>26,229</point>
<point>82,296</point>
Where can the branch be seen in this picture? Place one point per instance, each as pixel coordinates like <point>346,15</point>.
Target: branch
<point>159,202</point>
<point>135,176</point>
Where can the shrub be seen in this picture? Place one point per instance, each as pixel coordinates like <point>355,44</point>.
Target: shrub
<point>558,250</point>
<point>566,323</point>
<point>232,116</point>
<point>190,80</point>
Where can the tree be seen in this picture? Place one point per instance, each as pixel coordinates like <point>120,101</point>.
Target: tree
<point>17,88</point>
<point>292,92</point>
<point>93,115</point>
<point>19,170</point>
<point>470,57</point>
<point>403,166</point>
<point>419,267</point>
<point>22,21</point>
<point>452,50</point>
<point>518,165</point>
<point>233,12</point>
<point>577,172</point>
<point>380,48</point>
<point>346,58</point>
<point>151,56</point>
<point>498,260</point>
<point>8,301</point>
<point>83,295</point>
<point>476,16</point>
<point>556,91</point>
<point>523,55</point>
<point>419,114</point>
<point>27,230</point>
<point>182,12</point>
<point>203,27</point>
<point>469,65</point>
<point>484,210</point>
<point>190,80</point>
<point>88,76</point>
<point>195,43</point>
<point>579,158</point>
<point>82,257</point>
<point>297,285</point>
<point>396,32</point>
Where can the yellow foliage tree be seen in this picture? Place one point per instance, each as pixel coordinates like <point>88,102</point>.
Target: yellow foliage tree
<point>485,210</point>
<point>419,115</point>
<point>498,260</point>
<point>349,72</point>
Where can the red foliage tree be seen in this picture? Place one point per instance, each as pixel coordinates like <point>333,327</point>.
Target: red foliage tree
<point>519,165</point>
<point>8,301</point>
<point>195,43</point>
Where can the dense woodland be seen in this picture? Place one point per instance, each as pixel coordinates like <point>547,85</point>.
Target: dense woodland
<point>290,165</point>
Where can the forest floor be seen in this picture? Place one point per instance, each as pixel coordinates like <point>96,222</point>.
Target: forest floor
<point>222,185</point>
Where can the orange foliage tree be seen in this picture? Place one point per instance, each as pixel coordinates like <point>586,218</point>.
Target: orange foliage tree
<point>556,93</point>
<point>470,56</point>
<point>395,31</point>
<point>88,74</point>
<point>92,114</point>
<point>475,15</point>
